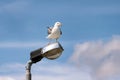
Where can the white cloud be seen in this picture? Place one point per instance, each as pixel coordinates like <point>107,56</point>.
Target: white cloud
<point>6,78</point>
<point>97,10</point>
<point>97,60</point>
<point>13,67</point>
<point>29,44</point>
<point>20,44</point>
<point>101,57</point>
<point>14,7</point>
<point>45,71</point>
<point>22,6</point>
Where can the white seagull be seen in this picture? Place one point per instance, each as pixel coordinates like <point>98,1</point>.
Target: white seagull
<point>55,31</point>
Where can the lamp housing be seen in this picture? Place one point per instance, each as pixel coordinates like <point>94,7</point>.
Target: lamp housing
<point>50,51</point>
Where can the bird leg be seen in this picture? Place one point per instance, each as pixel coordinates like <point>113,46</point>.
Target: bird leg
<point>56,40</point>
<point>49,42</point>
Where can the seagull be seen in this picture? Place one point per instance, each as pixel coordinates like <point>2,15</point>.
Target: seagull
<point>55,31</point>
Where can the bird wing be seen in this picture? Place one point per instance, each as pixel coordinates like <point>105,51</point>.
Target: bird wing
<point>49,30</point>
<point>60,32</point>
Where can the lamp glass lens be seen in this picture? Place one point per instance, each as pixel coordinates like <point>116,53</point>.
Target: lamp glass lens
<point>53,56</point>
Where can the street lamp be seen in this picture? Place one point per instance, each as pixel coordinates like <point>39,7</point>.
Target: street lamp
<point>51,51</point>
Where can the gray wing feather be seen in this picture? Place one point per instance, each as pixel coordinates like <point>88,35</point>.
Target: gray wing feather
<point>60,32</point>
<point>49,30</point>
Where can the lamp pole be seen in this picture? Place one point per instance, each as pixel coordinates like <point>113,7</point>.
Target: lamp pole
<point>28,70</point>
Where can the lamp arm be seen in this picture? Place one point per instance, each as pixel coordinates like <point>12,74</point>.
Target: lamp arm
<point>29,64</point>
<point>28,70</point>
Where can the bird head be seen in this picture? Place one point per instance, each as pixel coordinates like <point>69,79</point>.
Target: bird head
<point>58,24</point>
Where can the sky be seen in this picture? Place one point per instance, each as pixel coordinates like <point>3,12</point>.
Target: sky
<point>91,39</point>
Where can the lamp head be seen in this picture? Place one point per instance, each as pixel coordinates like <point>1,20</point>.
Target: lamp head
<point>52,51</point>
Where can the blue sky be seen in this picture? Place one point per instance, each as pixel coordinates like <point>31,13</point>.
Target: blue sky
<point>91,38</point>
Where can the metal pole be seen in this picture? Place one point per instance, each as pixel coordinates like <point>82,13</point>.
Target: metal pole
<point>28,70</point>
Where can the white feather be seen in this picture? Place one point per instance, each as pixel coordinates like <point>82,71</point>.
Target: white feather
<point>56,32</point>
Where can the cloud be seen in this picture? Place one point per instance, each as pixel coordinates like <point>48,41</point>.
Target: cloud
<point>14,7</point>
<point>20,44</point>
<point>30,44</point>
<point>28,7</point>
<point>13,67</point>
<point>95,60</point>
<point>98,10</point>
<point>46,71</point>
<point>102,57</point>
<point>6,78</point>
